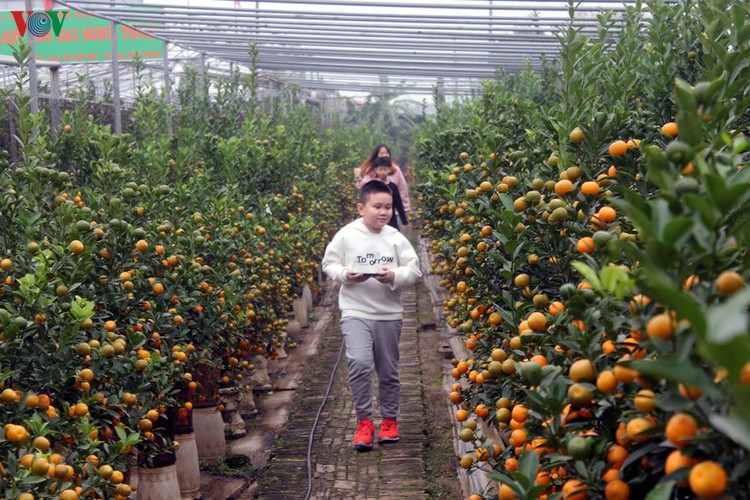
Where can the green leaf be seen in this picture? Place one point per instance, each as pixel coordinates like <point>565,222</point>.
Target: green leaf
<point>676,370</point>
<point>715,88</point>
<point>588,273</point>
<point>677,231</point>
<point>580,468</point>
<point>657,284</point>
<point>673,402</point>
<point>715,188</point>
<point>521,479</point>
<point>81,308</point>
<point>684,93</point>
<point>662,491</point>
<point>624,287</point>
<point>638,216</point>
<point>734,427</point>
<point>689,123</point>
<point>529,464</point>
<point>518,249</point>
<point>659,174</point>
<point>728,320</point>
<point>699,204</point>
<point>121,433</point>
<point>704,237</point>
<point>660,215</point>
<point>28,287</point>
<point>27,281</point>
<point>737,194</point>
<point>656,158</point>
<point>552,373</point>
<point>616,280</point>
<point>610,275</point>
<point>743,34</point>
<point>535,492</point>
<point>500,477</point>
<point>507,201</point>
<point>732,355</point>
<point>536,400</point>
<point>662,253</point>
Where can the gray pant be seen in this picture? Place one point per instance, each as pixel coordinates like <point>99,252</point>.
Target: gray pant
<point>371,343</point>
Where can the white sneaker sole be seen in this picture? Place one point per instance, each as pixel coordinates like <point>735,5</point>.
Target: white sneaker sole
<point>388,440</point>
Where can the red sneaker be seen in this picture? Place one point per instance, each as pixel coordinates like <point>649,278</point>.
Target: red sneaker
<point>388,431</point>
<point>363,437</point>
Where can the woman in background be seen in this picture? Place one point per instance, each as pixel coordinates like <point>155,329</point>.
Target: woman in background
<point>382,169</point>
<point>367,173</point>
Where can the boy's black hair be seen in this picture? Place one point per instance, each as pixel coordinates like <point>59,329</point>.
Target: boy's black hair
<point>382,161</point>
<point>374,186</point>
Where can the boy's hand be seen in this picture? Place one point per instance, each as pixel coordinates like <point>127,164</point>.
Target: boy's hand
<point>356,277</point>
<point>386,276</point>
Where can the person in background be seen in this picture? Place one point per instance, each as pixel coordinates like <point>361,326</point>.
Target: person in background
<point>366,174</point>
<point>382,169</point>
<point>373,262</point>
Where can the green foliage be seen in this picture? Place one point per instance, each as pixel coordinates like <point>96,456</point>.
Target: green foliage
<point>383,119</point>
<point>143,270</point>
<point>639,239</point>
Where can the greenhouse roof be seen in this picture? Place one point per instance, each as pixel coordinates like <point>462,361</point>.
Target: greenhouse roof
<point>352,45</point>
<point>372,46</point>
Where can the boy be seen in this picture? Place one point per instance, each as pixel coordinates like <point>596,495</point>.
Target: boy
<point>372,261</point>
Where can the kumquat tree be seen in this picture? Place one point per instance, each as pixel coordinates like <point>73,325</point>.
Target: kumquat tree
<point>142,271</point>
<point>583,221</point>
<point>590,228</point>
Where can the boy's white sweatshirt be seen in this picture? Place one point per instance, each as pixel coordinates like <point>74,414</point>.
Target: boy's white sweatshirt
<point>354,248</point>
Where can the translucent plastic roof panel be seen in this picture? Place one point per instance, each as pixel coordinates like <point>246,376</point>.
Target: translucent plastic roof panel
<point>355,44</point>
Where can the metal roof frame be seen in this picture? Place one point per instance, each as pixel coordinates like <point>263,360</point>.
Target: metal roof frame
<point>348,45</point>
<point>433,23</point>
<point>294,35</point>
<point>177,13</point>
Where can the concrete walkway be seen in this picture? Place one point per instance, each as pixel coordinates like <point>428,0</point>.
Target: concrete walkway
<point>389,471</point>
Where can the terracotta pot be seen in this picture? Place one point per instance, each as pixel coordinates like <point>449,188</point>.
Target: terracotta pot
<point>159,483</point>
<point>188,471</point>
<point>209,433</point>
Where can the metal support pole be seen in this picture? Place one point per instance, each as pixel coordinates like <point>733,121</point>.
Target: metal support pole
<point>33,88</point>
<point>491,19</point>
<point>204,76</point>
<point>11,131</point>
<point>165,61</point>
<point>116,81</point>
<point>167,84</point>
<point>54,77</point>
<point>257,17</point>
